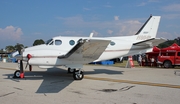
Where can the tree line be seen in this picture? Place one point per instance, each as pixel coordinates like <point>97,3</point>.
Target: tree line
<point>11,48</point>
<point>169,43</point>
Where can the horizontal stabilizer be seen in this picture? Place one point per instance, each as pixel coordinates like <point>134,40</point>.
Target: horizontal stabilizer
<point>150,42</point>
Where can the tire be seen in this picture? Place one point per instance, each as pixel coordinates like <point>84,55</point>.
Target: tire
<point>167,64</point>
<point>77,75</point>
<point>17,74</point>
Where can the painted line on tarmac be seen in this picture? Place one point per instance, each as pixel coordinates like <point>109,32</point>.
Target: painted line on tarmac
<point>8,68</point>
<point>134,82</point>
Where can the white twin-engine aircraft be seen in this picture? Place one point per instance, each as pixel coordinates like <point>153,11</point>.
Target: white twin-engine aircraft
<point>73,52</point>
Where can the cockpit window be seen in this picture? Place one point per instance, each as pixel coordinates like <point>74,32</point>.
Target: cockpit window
<point>58,42</point>
<point>48,41</point>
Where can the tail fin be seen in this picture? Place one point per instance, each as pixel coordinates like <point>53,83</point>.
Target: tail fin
<point>146,36</point>
<point>149,29</point>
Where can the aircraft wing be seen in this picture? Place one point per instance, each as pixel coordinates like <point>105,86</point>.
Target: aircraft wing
<point>86,49</point>
<point>150,42</point>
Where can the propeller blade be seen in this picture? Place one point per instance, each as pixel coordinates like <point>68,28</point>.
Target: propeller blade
<point>30,67</point>
<point>26,65</point>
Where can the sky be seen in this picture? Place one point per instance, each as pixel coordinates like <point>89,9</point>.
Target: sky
<point>24,21</point>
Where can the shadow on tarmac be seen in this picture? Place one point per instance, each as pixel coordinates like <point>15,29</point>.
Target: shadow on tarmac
<point>56,79</point>
<point>103,71</point>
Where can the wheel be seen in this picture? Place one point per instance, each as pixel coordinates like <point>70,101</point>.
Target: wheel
<point>17,74</point>
<point>78,75</point>
<point>70,70</point>
<point>167,64</point>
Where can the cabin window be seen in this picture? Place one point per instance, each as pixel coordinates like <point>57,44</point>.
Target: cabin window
<point>58,42</point>
<point>112,43</point>
<point>71,42</point>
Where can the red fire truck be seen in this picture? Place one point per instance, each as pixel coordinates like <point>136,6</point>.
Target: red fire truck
<point>166,57</point>
<point>170,56</point>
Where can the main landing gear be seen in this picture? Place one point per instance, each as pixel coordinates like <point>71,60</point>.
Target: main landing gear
<point>71,70</point>
<point>77,74</point>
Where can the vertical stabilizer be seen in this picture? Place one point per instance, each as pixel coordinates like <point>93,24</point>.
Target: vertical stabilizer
<point>149,29</point>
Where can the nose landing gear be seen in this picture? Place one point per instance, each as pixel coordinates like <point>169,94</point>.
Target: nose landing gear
<point>19,73</point>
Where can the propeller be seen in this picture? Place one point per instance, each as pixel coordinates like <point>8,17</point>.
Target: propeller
<point>30,67</point>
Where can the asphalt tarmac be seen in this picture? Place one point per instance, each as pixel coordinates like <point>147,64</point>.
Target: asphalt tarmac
<point>101,85</point>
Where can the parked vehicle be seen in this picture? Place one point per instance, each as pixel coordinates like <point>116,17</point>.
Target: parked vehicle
<point>166,57</point>
<point>169,59</point>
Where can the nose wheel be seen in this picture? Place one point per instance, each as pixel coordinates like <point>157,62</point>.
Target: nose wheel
<point>78,75</point>
<point>17,74</point>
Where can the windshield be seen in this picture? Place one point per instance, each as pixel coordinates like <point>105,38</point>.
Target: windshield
<point>48,41</point>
